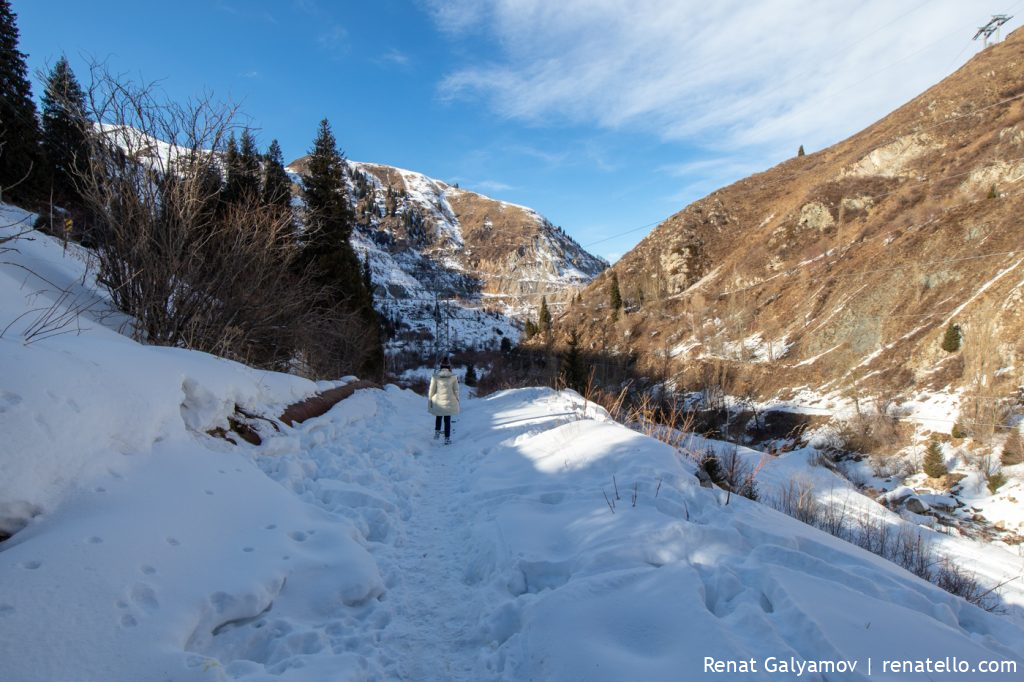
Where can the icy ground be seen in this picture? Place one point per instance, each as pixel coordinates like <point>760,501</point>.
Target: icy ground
<point>352,547</point>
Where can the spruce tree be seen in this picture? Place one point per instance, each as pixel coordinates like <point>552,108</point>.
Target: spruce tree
<point>231,171</point>
<point>248,180</point>
<point>544,316</point>
<point>574,369</point>
<point>20,157</point>
<point>614,295</point>
<point>327,253</point>
<point>276,187</point>
<point>800,152</point>
<point>951,340</point>
<point>934,463</point>
<point>470,379</point>
<point>1013,449</point>
<point>65,144</point>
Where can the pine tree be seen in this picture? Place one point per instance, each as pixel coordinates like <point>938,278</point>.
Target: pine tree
<point>574,370</point>
<point>277,186</point>
<point>20,157</point>
<point>529,329</point>
<point>614,295</point>
<point>800,152</point>
<point>327,253</point>
<point>367,275</point>
<point>544,316</point>
<point>470,379</point>
<point>506,345</point>
<point>934,462</point>
<point>248,165</point>
<point>952,338</point>
<point>1013,449</point>
<point>64,130</point>
<point>231,170</point>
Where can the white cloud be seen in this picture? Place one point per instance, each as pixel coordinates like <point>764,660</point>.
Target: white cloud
<point>395,58</point>
<point>727,75</point>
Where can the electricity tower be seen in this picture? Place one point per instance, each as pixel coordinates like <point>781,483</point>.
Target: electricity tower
<point>991,27</point>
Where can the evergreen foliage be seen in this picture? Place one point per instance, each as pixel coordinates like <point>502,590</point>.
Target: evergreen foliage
<point>995,481</point>
<point>574,368</point>
<point>65,145</point>
<point>470,379</point>
<point>276,186</point>
<point>934,462</point>
<point>951,340</point>
<point>327,252</point>
<point>20,157</point>
<point>1013,450</point>
<point>614,295</point>
<point>506,345</point>
<point>800,152</point>
<point>242,169</point>
<point>530,329</point>
<point>544,316</point>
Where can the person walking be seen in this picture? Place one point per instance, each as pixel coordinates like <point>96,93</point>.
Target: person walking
<point>443,399</point>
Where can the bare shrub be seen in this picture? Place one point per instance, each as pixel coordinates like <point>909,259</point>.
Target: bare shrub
<point>190,268</point>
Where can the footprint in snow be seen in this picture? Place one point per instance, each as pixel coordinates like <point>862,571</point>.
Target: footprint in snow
<point>173,542</point>
<point>6,609</point>
<point>147,570</point>
<point>99,489</point>
<point>297,535</point>
<point>270,526</point>
<point>248,549</point>
<point>94,540</point>
<point>128,621</point>
<point>31,565</point>
<point>208,492</point>
<point>145,597</point>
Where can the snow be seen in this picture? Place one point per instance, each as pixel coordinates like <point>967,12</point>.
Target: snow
<point>352,547</point>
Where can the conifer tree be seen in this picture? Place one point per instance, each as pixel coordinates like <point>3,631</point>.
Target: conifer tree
<point>614,295</point>
<point>544,316</point>
<point>1013,449</point>
<point>574,370</point>
<point>276,186</point>
<point>800,152</point>
<point>20,158</point>
<point>934,463</point>
<point>64,130</point>
<point>248,166</point>
<point>529,329</point>
<point>951,340</point>
<point>470,379</point>
<point>231,169</point>
<point>327,252</point>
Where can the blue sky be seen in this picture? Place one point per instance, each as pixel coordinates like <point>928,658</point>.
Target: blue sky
<point>604,116</point>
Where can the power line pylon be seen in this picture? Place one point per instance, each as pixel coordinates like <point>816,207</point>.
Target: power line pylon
<point>991,27</point>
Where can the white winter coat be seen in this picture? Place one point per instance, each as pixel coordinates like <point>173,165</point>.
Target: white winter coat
<point>443,397</point>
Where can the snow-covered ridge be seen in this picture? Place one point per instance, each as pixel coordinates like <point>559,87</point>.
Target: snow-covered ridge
<point>493,260</point>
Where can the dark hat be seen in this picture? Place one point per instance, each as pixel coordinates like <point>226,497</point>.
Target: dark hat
<point>446,364</point>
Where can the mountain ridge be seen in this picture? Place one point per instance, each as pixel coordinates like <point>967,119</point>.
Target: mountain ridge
<point>841,269</point>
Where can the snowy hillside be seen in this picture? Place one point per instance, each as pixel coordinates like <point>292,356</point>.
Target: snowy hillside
<point>428,240</point>
<point>547,543</point>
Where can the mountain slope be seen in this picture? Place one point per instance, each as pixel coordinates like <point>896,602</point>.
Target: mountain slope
<point>844,268</point>
<point>425,238</point>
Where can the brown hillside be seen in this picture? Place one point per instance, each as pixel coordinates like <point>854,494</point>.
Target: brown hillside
<point>842,269</point>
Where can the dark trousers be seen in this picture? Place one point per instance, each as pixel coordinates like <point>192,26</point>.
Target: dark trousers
<point>447,425</point>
